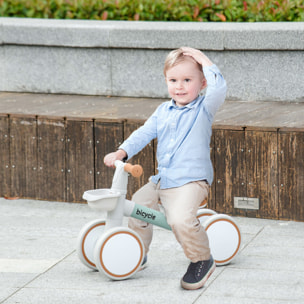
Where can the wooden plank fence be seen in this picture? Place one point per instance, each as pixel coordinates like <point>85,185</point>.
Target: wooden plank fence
<point>57,159</point>
<point>52,148</point>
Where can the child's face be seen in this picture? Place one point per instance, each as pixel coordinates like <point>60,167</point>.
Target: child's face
<point>185,81</point>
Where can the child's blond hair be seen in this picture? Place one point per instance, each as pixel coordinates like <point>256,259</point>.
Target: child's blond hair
<point>177,56</point>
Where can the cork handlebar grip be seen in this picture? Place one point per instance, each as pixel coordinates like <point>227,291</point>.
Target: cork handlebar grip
<point>134,170</point>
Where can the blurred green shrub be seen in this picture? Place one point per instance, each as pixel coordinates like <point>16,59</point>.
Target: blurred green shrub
<point>157,10</point>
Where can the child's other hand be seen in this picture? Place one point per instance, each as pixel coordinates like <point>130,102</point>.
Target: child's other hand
<point>109,159</point>
<point>197,55</point>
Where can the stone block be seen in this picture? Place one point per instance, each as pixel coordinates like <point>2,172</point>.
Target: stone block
<point>167,35</point>
<point>138,73</point>
<point>56,70</point>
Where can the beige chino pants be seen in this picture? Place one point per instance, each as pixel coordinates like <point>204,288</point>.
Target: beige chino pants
<point>180,205</point>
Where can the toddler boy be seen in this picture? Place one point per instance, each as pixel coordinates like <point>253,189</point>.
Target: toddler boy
<point>183,128</point>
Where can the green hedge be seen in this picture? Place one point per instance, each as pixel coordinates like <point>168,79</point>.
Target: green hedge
<point>157,10</point>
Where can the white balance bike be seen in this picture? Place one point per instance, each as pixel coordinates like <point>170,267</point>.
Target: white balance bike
<point>118,251</point>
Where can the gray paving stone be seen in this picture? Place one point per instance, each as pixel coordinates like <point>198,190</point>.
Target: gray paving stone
<point>259,284</point>
<point>39,264</point>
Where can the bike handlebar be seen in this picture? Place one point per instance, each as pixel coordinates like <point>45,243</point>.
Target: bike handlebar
<point>134,170</point>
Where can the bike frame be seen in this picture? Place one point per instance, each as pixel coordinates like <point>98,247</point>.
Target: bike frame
<point>129,208</point>
<point>97,241</point>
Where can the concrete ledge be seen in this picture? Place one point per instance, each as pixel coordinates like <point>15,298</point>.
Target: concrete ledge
<point>153,35</point>
<point>260,61</point>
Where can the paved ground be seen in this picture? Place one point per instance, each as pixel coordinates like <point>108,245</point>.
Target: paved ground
<point>38,262</point>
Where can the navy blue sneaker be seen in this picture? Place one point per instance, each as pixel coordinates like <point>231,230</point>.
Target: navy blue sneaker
<point>144,263</point>
<point>197,274</point>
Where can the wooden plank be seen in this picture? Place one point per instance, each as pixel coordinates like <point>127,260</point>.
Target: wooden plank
<point>262,172</point>
<point>146,158</point>
<point>292,129</point>
<point>4,157</point>
<point>232,114</point>
<point>51,159</point>
<point>259,128</point>
<point>79,158</point>
<point>261,114</point>
<point>228,127</point>
<point>78,106</point>
<point>108,137</point>
<point>291,175</point>
<point>236,113</point>
<point>229,164</point>
<point>23,154</point>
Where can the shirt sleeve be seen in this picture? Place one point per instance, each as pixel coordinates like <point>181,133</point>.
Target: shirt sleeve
<point>216,89</point>
<point>141,137</point>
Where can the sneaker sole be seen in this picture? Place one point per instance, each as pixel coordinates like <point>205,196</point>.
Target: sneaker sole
<point>201,283</point>
<point>142,267</point>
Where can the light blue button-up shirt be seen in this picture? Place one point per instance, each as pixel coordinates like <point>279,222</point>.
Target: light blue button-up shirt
<point>183,135</point>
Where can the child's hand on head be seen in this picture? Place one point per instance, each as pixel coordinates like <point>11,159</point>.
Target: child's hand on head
<point>197,55</point>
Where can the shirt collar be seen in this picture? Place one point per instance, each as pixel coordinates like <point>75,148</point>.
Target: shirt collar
<point>190,105</point>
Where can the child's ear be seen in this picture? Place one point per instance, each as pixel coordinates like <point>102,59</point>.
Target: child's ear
<point>204,84</point>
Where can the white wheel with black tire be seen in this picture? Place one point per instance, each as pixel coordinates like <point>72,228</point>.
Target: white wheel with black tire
<point>224,238</point>
<point>119,253</point>
<point>87,240</point>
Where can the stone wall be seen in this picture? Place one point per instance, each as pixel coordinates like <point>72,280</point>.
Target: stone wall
<point>260,61</point>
